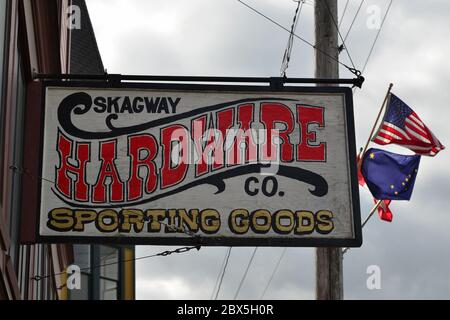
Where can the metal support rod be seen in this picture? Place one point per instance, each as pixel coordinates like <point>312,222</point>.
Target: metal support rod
<point>274,81</point>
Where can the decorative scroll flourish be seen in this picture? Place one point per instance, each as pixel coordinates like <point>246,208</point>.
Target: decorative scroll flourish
<point>318,183</point>
<point>80,103</point>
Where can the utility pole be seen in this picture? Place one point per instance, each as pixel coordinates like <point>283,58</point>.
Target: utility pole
<point>329,276</point>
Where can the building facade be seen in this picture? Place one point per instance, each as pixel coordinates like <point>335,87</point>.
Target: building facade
<point>37,37</point>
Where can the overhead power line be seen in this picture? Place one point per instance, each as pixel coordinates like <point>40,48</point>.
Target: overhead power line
<point>354,19</point>
<point>223,272</point>
<point>375,41</point>
<point>245,273</point>
<point>219,274</point>
<point>339,33</point>
<point>377,36</point>
<point>356,72</point>
<point>273,273</point>
<point>288,50</point>
<point>343,14</point>
<point>160,254</point>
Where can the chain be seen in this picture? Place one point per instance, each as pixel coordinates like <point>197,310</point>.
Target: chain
<point>160,254</point>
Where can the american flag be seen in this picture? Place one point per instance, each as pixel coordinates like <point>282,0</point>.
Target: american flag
<point>402,126</point>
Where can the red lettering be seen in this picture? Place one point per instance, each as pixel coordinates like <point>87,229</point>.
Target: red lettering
<point>224,122</point>
<point>198,132</point>
<point>210,151</point>
<point>272,113</point>
<point>137,144</point>
<point>305,117</point>
<point>108,170</point>
<point>81,156</point>
<point>172,175</point>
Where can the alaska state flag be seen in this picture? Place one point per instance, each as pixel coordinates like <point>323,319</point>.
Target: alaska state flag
<point>388,175</point>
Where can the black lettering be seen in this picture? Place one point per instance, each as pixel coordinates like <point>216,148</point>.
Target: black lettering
<point>100,104</point>
<point>151,104</point>
<point>113,103</point>
<point>60,219</point>
<point>247,190</point>
<point>137,104</point>
<point>174,104</point>
<point>163,106</point>
<point>264,188</point>
<point>126,105</point>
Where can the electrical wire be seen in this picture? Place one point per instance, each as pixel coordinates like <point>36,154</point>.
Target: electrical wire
<point>354,19</point>
<point>343,14</point>
<point>245,274</point>
<point>288,50</point>
<point>339,33</point>
<point>273,273</point>
<point>219,274</point>
<point>374,42</point>
<point>223,272</point>
<point>298,37</point>
<point>377,36</point>
<point>160,254</point>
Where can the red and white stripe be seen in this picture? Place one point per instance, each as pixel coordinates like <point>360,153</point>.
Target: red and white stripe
<point>416,136</point>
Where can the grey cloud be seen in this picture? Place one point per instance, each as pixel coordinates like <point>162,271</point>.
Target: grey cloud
<point>224,38</point>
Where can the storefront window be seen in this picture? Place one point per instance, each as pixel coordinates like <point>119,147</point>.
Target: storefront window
<point>100,272</point>
<point>82,258</point>
<point>109,272</point>
<point>108,289</point>
<point>82,255</point>
<point>109,257</point>
<point>83,292</point>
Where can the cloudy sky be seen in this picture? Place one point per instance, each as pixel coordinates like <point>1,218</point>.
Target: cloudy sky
<point>222,37</point>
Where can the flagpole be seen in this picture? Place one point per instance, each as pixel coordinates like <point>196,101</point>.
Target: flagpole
<point>375,207</point>
<point>374,126</point>
<point>363,150</point>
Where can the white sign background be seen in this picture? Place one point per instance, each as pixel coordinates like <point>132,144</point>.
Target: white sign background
<point>335,170</point>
